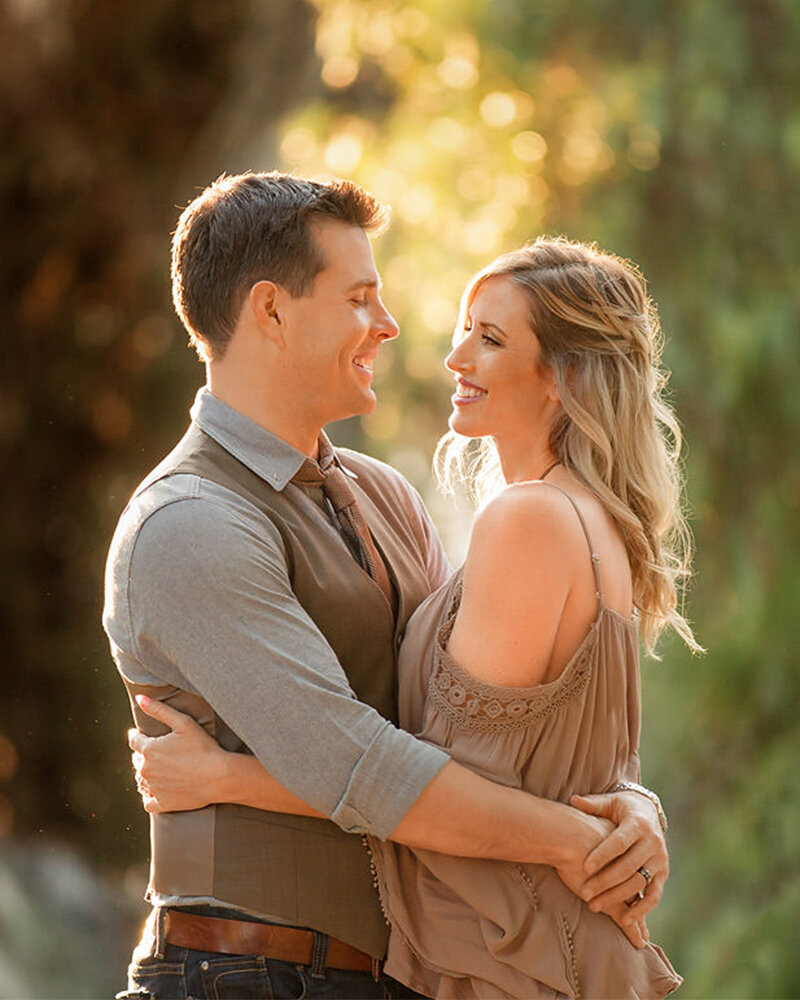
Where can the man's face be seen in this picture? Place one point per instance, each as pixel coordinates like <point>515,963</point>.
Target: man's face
<point>334,331</point>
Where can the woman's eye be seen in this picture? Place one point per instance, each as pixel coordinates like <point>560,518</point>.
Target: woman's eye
<point>488,339</point>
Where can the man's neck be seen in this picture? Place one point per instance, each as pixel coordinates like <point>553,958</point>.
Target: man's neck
<point>259,405</point>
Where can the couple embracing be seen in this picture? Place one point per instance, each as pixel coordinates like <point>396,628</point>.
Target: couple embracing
<point>369,776</point>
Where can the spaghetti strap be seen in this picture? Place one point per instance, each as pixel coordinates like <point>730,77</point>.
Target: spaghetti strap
<point>594,555</point>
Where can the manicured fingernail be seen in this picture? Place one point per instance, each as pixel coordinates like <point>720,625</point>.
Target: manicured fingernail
<point>142,700</point>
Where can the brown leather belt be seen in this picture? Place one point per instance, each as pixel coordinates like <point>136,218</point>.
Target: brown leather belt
<point>244,937</point>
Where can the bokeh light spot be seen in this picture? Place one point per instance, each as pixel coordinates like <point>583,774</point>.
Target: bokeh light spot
<point>498,109</point>
<point>417,204</point>
<point>339,71</point>
<point>343,153</point>
<point>458,72</point>
<point>530,147</point>
<point>447,133</point>
<point>299,146</point>
<point>644,149</point>
<point>438,313</point>
<point>474,184</point>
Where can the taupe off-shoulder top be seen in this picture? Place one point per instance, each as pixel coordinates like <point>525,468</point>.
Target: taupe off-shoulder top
<point>466,928</point>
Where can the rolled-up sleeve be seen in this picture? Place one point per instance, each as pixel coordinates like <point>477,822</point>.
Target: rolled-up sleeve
<point>206,604</point>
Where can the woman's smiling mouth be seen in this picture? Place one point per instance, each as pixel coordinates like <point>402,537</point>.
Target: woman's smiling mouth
<point>467,392</point>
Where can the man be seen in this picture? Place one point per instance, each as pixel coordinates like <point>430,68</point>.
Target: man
<point>261,582</point>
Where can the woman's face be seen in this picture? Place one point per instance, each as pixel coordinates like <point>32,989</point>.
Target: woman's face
<point>502,388</point>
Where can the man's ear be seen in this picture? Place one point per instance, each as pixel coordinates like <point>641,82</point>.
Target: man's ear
<point>265,300</point>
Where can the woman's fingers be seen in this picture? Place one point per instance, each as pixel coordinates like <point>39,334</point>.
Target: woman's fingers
<point>162,712</point>
<point>150,804</point>
<point>595,805</point>
<point>137,741</point>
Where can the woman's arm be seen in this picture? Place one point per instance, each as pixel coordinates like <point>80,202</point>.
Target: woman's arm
<point>167,769</point>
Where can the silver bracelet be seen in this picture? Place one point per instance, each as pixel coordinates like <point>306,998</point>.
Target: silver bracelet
<point>631,786</point>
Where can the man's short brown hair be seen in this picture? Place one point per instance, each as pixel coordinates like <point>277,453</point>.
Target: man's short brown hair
<point>254,227</point>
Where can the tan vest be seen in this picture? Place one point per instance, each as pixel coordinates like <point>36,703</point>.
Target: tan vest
<point>303,870</point>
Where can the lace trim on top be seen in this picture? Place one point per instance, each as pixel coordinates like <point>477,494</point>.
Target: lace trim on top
<point>473,704</point>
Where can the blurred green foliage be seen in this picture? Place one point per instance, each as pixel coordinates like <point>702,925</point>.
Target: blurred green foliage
<point>666,130</point>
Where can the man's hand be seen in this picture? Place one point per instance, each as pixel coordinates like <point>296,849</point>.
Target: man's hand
<point>613,866</point>
<point>598,830</point>
<point>177,771</point>
<point>635,930</point>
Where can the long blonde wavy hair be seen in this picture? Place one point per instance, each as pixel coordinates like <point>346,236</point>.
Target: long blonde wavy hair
<point>599,333</point>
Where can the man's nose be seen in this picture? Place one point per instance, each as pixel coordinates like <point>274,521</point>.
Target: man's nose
<point>385,327</point>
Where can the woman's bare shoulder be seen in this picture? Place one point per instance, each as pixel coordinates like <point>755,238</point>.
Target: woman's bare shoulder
<point>531,516</point>
<point>520,569</point>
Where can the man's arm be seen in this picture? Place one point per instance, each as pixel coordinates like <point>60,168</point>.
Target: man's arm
<point>210,608</point>
<point>199,598</point>
<point>209,598</point>
<point>167,769</point>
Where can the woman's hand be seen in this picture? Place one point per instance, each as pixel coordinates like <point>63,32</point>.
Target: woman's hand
<point>180,770</point>
<point>187,769</point>
<point>614,865</point>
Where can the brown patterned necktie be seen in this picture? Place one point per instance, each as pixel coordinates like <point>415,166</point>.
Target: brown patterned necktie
<point>337,489</point>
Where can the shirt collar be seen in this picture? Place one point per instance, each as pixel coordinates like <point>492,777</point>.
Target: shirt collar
<point>270,457</point>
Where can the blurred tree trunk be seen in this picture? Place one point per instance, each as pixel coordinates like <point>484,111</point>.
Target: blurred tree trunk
<point>113,114</point>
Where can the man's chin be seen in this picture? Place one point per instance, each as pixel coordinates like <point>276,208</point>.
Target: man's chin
<point>358,408</point>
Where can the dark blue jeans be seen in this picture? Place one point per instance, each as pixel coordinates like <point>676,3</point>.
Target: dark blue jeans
<point>185,974</point>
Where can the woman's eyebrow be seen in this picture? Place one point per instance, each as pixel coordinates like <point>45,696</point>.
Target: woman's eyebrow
<point>488,325</point>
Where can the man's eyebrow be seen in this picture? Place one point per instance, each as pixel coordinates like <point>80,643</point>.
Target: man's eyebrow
<point>366,283</point>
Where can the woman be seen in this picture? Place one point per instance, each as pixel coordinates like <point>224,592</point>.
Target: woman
<point>525,665</point>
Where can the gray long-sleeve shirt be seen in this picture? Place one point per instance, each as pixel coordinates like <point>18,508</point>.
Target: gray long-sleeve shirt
<point>198,595</point>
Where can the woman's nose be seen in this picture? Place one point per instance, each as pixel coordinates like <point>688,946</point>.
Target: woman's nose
<point>458,359</point>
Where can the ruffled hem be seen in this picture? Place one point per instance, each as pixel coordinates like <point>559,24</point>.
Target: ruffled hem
<point>529,938</point>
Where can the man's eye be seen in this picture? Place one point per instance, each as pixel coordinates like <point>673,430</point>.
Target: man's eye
<point>359,302</point>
